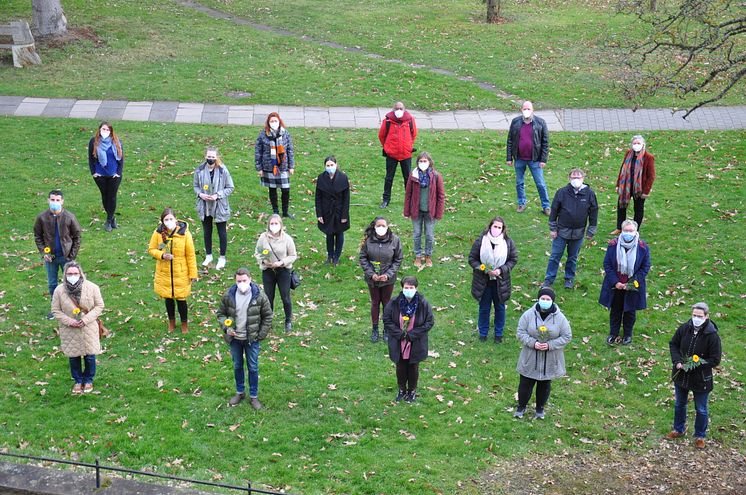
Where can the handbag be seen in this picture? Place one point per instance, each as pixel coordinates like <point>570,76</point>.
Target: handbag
<point>294,277</point>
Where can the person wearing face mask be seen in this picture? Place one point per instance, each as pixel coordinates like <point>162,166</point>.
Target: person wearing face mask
<point>172,247</point>
<point>528,146</point>
<point>57,237</point>
<point>543,331</point>
<point>333,208</point>
<point>397,135</point>
<point>492,257</point>
<point>574,207</point>
<point>636,177</point>
<point>424,203</point>
<point>275,252</point>
<point>106,161</point>
<point>624,289</point>
<point>212,185</point>
<point>697,337</point>
<point>274,160</point>
<point>245,315</point>
<point>408,319</point>
<point>380,259</point>
<point>77,304</point>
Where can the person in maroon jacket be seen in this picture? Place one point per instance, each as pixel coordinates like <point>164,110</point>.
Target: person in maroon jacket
<point>636,177</point>
<point>424,202</point>
<point>397,134</point>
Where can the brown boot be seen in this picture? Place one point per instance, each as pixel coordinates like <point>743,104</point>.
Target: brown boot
<point>171,325</point>
<point>184,327</point>
<point>418,261</point>
<point>428,261</point>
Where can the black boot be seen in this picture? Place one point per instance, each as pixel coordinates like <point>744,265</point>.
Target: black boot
<point>411,396</point>
<point>273,200</point>
<point>374,334</point>
<point>286,204</point>
<point>107,225</point>
<point>402,394</point>
<point>385,336</point>
<point>113,222</point>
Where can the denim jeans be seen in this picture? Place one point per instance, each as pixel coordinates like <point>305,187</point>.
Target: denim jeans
<point>83,375</point>
<point>239,348</point>
<point>489,299</point>
<point>679,411</point>
<point>558,249</point>
<point>424,220</point>
<point>334,244</point>
<point>538,173</point>
<point>53,268</point>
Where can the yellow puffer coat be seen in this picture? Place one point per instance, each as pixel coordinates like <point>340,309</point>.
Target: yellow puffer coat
<point>173,278</point>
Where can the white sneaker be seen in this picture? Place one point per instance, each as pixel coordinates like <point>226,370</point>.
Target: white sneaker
<point>221,263</point>
<point>208,260</point>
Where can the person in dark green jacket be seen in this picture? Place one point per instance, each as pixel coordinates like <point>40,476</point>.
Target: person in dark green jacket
<point>246,317</point>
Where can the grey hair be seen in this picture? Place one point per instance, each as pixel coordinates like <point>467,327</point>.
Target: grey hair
<point>576,171</point>
<point>637,136</point>
<point>703,306</point>
<point>629,222</point>
<point>73,264</point>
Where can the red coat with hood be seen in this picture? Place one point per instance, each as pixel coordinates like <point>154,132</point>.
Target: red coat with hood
<point>397,135</point>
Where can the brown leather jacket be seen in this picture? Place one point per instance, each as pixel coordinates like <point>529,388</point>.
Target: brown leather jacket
<point>69,233</point>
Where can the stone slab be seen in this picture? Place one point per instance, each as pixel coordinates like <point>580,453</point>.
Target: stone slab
<point>30,109</point>
<point>215,117</point>
<point>11,100</point>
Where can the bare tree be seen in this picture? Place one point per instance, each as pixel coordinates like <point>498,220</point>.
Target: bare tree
<point>49,18</point>
<point>493,10</point>
<point>695,48</point>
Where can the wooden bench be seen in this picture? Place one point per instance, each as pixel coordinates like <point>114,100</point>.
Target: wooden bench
<point>23,47</point>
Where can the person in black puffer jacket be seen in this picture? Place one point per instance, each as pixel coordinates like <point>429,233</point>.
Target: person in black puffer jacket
<point>696,346</point>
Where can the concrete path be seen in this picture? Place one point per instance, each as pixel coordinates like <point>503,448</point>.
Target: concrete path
<point>709,118</point>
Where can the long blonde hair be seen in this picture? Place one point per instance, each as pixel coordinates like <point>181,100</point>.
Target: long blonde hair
<point>218,160</point>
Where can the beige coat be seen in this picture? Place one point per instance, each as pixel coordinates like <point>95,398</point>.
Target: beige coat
<point>84,340</point>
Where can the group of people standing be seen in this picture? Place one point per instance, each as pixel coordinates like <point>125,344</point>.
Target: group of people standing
<point>246,311</point>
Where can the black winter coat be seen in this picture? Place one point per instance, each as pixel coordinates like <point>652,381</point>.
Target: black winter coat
<point>706,345</point>
<point>572,211</point>
<point>423,322</point>
<point>382,257</point>
<point>333,202</point>
<point>480,279</point>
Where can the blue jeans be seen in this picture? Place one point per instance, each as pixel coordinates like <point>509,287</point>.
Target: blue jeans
<point>679,411</point>
<point>239,348</point>
<point>489,299</point>
<point>558,249</point>
<point>83,375</point>
<point>53,268</point>
<point>426,222</point>
<point>538,173</point>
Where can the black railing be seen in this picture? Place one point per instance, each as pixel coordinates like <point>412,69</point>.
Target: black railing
<point>98,467</point>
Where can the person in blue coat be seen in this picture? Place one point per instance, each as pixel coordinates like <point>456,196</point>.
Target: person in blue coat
<point>106,161</point>
<point>624,290</point>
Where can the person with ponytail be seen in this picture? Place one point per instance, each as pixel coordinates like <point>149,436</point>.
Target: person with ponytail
<point>106,161</point>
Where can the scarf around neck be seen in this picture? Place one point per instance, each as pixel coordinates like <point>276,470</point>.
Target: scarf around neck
<point>424,176</point>
<point>408,308</point>
<point>626,255</point>
<point>493,257</point>
<point>103,147</point>
<point>627,185</point>
<point>74,290</point>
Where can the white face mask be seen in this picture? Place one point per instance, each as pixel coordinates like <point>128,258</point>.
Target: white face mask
<point>697,321</point>
<point>423,165</point>
<point>399,113</point>
<point>274,228</point>
<point>381,230</point>
<point>243,286</point>
<point>170,224</point>
<point>576,183</point>
<point>527,114</point>
<point>73,279</point>
<point>105,134</point>
<point>274,125</point>
<point>637,148</point>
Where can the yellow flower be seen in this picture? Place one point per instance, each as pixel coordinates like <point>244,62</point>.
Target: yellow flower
<point>636,284</point>
<point>265,251</point>
<point>206,187</point>
<point>405,318</point>
<point>228,322</point>
<point>543,328</point>
<point>77,311</point>
<point>482,267</point>
<point>695,358</point>
<point>47,250</point>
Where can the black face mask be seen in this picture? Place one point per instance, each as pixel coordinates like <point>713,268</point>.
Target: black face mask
<point>210,161</point>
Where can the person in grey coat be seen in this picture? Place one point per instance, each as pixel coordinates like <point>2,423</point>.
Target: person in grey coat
<point>212,185</point>
<point>543,332</point>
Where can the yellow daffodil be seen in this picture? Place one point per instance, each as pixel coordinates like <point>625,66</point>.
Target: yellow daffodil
<point>206,187</point>
<point>405,318</point>
<point>695,358</point>
<point>636,284</point>
<point>265,251</point>
<point>47,250</point>
<point>227,322</point>
<point>482,267</point>
<point>543,328</point>
<point>76,311</point>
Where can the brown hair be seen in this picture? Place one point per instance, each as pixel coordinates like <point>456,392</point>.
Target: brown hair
<point>498,219</point>
<point>97,139</point>
<point>243,271</point>
<point>266,122</point>
<point>166,212</point>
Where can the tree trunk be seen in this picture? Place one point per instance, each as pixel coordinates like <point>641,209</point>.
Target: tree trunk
<point>653,5</point>
<point>49,18</point>
<point>493,11</point>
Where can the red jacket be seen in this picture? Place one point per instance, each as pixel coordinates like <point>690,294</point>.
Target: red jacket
<point>397,135</point>
<point>436,200</point>
<point>648,171</point>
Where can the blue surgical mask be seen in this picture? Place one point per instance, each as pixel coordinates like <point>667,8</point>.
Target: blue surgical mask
<point>544,304</point>
<point>628,236</point>
<point>55,206</point>
<point>331,169</point>
<point>409,293</point>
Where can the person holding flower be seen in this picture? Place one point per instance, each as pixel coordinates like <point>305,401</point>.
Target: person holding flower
<point>275,161</point>
<point>106,161</point>
<point>695,351</point>
<point>635,181</point>
<point>492,257</point>
<point>543,332</point>
<point>212,185</point>
<point>172,247</point>
<point>408,319</point>
<point>333,208</point>
<point>275,252</point>
<point>380,259</point>
<point>624,290</point>
<point>424,203</point>
<point>77,304</point>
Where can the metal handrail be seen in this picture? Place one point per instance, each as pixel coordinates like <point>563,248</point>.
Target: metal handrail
<point>98,467</point>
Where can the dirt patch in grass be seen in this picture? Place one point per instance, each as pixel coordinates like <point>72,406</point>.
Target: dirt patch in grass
<point>671,468</point>
<point>73,35</point>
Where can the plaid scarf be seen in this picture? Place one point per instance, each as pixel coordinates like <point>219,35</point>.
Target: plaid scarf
<point>277,149</point>
<point>626,185</point>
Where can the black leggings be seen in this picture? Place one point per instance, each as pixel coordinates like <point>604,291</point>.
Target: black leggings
<point>278,277</point>
<point>526,387</point>
<point>407,374</point>
<point>621,213</point>
<point>222,235</point>
<point>109,186</point>
<point>170,309</point>
<point>285,199</point>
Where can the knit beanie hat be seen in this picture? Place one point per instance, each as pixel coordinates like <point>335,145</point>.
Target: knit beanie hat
<point>546,291</point>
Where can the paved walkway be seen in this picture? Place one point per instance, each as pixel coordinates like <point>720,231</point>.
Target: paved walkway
<point>722,118</point>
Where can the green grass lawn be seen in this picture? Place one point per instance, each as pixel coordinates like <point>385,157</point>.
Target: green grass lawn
<point>330,425</point>
<point>557,54</point>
